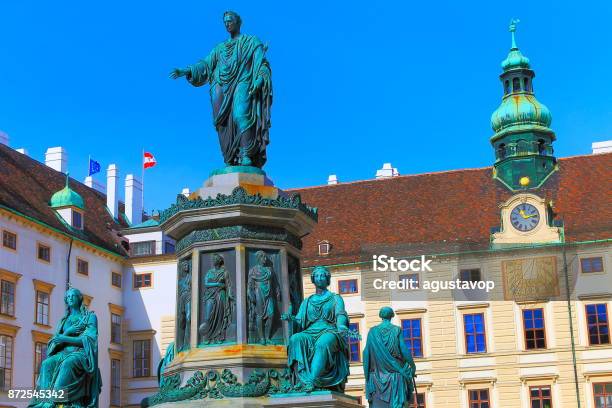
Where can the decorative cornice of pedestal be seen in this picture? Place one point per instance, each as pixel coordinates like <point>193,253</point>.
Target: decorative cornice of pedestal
<point>238,208</point>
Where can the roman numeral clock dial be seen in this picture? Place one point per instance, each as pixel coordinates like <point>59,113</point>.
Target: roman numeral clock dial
<point>524,217</point>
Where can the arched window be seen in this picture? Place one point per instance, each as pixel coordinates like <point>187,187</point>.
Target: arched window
<point>541,147</point>
<point>516,85</point>
<point>501,151</point>
<point>526,85</point>
<point>507,87</point>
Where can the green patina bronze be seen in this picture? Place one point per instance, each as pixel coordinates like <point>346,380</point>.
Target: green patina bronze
<point>183,307</point>
<point>217,302</point>
<point>388,365</point>
<point>264,298</point>
<point>318,355</point>
<point>523,140</point>
<point>71,366</point>
<point>238,169</point>
<point>238,196</point>
<point>240,82</point>
<point>238,231</point>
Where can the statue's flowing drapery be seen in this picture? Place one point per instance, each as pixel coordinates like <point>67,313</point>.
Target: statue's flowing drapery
<point>217,304</point>
<point>242,120</point>
<point>317,319</point>
<point>263,292</point>
<point>386,365</point>
<point>71,368</point>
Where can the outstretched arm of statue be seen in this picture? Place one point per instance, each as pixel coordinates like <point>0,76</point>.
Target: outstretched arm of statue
<point>178,72</point>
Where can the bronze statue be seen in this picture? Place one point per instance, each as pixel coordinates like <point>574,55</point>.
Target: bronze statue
<point>184,306</point>
<point>387,365</point>
<point>241,93</point>
<point>263,298</point>
<point>217,301</point>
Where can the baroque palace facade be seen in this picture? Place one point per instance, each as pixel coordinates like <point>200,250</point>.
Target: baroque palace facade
<point>538,227</point>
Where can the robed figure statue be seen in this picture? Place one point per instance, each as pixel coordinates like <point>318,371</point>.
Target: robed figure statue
<point>217,302</point>
<point>263,292</point>
<point>388,365</point>
<point>71,366</point>
<point>318,355</point>
<point>241,93</point>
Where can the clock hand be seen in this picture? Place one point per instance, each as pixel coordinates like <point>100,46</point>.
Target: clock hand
<point>525,216</point>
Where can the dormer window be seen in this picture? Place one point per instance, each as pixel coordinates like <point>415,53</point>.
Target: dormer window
<point>77,219</point>
<point>324,248</point>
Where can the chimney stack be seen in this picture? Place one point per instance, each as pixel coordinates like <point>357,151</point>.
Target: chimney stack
<point>95,184</point>
<point>112,198</point>
<point>602,147</point>
<point>387,171</point>
<point>22,150</point>
<point>186,192</point>
<point>4,138</point>
<point>133,199</point>
<point>57,159</point>
<point>332,179</point>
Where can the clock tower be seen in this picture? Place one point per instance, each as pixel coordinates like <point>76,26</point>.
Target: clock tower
<point>523,139</point>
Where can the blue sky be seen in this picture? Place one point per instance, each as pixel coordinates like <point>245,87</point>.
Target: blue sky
<point>356,84</point>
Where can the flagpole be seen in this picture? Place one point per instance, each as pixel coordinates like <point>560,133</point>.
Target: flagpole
<point>142,179</point>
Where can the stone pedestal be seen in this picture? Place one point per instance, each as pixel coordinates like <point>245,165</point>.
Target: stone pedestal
<point>239,219</point>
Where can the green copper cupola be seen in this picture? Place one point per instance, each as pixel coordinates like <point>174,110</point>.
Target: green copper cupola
<point>523,138</point>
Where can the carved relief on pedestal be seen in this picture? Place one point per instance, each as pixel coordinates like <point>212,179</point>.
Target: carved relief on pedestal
<point>183,303</point>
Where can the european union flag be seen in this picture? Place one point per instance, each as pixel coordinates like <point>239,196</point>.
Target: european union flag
<point>94,167</point>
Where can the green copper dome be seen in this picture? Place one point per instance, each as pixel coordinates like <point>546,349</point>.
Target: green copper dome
<point>67,197</point>
<point>515,59</point>
<point>520,110</point>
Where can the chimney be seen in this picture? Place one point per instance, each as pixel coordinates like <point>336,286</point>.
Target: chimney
<point>95,184</point>
<point>387,171</point>
<point>186,192</point>
<point>332,179</point>
<point>4,138</point>
<point>112,199</point>
<point>22,150</point>
<point>57,159</point>
<point>133,199</point>
<point>602,147</point>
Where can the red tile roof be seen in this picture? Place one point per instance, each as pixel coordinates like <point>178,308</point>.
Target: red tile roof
<point>450,211</point>
<point>27,185</point>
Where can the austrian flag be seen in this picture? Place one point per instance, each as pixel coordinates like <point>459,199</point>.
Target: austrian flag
<point>148,160</point>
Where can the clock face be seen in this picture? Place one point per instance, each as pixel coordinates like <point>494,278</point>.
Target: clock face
<point>524,217</point>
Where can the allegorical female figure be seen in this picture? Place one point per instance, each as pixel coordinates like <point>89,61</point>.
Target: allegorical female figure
<point>71,366</point>
<point>263,293</point>
<point>388,365</point>
<point>240,91</point>
<point>217,302</point>
<point>318,354</point>
<point>184,305</point>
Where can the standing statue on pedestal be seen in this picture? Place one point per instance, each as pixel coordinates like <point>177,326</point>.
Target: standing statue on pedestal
<point>388,365</point>
<point>264,297</point>
<point>241,93</point>
<point>184,305</point>
<point>217,302</point>
<point>318,356</point>
<point>71,366</point>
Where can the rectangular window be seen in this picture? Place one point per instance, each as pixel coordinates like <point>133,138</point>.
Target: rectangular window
<point>115,328</point>
<point>115,391</point>
<point>413,337</point>
<point>116,279</point>
<point>9,240</point>
<point>470,275</point>
<point>597,323</point>
<point>42,307</point>
<point>7,304</point>
<point>535,332</point>
<point>348,286</point>
<point>142,358</point>
<point>420,400</point>
<point>411,278</point>
<point>540,397</point>
<point>354,344</point>
<point>44,253</point>
<point>77,219</point>
<point>142,280</point>
<point>82,266</point>
<point>6,362</point>
<point>142,248</point>
<point>479,398</point>
<point>602,394</point>
<point>40,353</point>
<point>475,336</point>
<point>591,265</point>
<point>168,247</point>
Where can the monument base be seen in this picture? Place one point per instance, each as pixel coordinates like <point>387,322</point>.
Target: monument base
<point>317,399</point>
